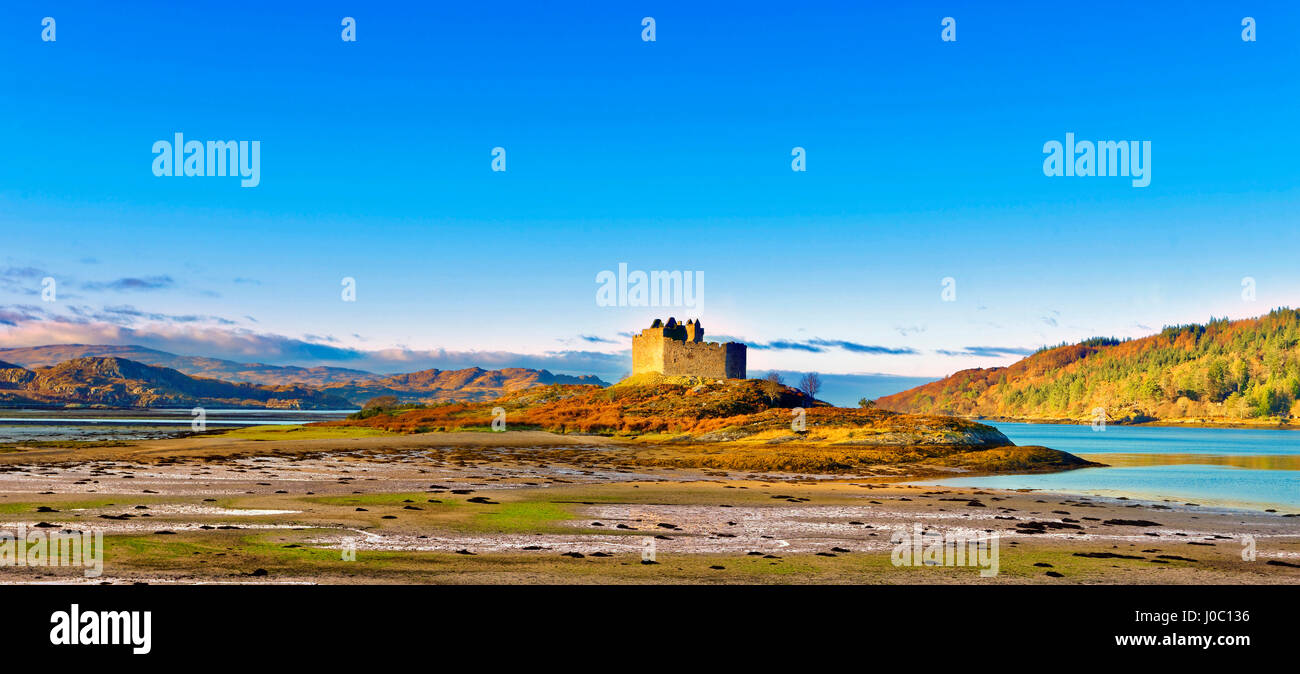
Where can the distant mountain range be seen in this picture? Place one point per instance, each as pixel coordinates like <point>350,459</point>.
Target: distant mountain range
<point>469,384</point>
<point>117,382</point>
<point>135,376</point>
<point>33,357</point>
<point>1243,371</point>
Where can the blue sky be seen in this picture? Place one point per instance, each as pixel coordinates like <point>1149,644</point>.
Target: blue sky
<point>924,162</point>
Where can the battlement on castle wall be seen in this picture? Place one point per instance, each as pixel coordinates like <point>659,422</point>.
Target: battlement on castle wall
<point>678,349</point>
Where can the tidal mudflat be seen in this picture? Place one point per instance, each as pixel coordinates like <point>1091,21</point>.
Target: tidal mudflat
<point>345,506</point>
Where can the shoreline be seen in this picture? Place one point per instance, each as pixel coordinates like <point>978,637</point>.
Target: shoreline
<point>1144,499</point>
<point>1166,423</point>
<point>484,509</point>
<point>796,458</point>
<point>830,536</point>
<point>280,443</point>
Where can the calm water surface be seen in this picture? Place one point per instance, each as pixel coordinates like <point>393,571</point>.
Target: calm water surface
<point>1248,468</point>
<point>31,425</point>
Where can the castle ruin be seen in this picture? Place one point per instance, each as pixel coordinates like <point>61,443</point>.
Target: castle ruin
<point>674,348</point>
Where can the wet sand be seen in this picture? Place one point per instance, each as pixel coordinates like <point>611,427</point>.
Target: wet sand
<point>535,507</point>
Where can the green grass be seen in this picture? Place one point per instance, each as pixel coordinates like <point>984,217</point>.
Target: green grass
<point>230,555</point>
<point>151,549</point>
<point>391,499</point>
<point>29,507</point>
<point>235,554</point>
<point>302,432</point>
<point>508,517</point>
<point>522,516</point>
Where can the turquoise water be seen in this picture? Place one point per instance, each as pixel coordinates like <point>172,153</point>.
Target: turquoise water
<point>1248,468</point>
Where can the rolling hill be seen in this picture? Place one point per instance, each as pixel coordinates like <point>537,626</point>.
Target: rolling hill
<point>356,386</point>
<point>117,382</point>
<point>1244,371</point>
<point>740,424</point>
<point>469,384</point>
<point>196,366</point>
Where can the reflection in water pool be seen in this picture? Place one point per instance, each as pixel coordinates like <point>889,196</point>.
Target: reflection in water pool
<point>86,425</point>
<point>1221,466</point>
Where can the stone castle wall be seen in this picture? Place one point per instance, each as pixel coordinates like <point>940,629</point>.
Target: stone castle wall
<point>701,359</point>
<point>647,353</point>
<point>736,355</point>
<point>654,351</point>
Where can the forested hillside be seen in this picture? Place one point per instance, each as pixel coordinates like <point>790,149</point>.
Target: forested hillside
<point>1223,370</point>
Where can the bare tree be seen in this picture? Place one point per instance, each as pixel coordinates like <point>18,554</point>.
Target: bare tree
<point>774,377</point>
<point>810,384</point>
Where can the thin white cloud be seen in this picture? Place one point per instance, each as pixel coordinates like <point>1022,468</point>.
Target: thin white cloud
<point>27,325</point>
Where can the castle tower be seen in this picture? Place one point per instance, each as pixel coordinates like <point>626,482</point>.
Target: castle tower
<point>674,348</point>
<point>694,331</point>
